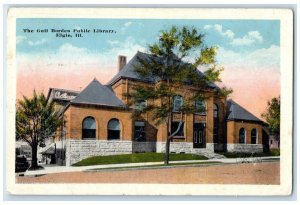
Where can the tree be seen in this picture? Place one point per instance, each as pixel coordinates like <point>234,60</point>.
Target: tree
<point>272,115</point>
<point>36,120</point>
<point>173,64</point>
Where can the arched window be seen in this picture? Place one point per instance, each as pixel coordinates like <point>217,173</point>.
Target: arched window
<point>216,111</point>
<point>242,136</point>
<point>113,129</point>
<point>201,106</point>
<point>177,103</point>
<point>89,128</point>
<point>253,136</point>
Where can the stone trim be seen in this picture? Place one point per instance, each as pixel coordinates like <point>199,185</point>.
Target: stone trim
<point>245,148</point>
<point>177,147</point>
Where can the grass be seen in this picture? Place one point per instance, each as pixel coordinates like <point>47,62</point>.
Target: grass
<point>136,158</point>
<point>273,152</point>
<point>157,165</point>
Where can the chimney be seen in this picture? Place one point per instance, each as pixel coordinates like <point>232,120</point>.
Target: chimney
<point>121,61</point>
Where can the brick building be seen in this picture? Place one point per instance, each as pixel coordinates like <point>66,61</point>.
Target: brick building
<point>98,121</point>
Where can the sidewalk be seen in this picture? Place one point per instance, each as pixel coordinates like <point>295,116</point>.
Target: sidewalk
<point>59,169</point>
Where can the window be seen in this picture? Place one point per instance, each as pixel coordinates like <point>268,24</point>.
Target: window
<point>89,128</point>
<point>201,106</point>
<point>139,131</point>
<point>242,136</point>
<point>113,129</point>
<point>253,136</point>
<point>140,104</point>
<point>177,103</point>
<point>174,127</point>
<point>216,111</point>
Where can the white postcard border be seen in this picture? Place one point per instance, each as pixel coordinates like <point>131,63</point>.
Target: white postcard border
<point>286,65</point>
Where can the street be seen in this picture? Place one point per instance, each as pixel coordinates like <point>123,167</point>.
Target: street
<point>248,173</point>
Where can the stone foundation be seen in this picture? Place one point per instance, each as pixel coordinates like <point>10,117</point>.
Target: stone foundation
<point>138,147</point>
<point>214,147</point>
<point>77,150</point>
<point>176,147</point>
<point>245,148</point>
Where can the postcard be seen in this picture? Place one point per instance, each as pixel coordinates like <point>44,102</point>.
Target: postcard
<point>149,101</point>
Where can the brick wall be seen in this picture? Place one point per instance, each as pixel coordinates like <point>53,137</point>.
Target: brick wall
<point>102,116</point>
<point>233,129</point>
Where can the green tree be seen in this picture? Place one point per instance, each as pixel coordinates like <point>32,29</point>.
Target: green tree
<point>272,115</point>
<point>36,120</point>
<point>174,63</point>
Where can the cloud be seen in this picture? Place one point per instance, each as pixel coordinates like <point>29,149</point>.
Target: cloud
<point>254,76</point>
<point>20,39</point>
<point>219,28</point>
<point>113,43</point>
<point>126,26</point>
<point>69,48</point>
<point>70,58</point>
<point>128,48</point>
<point>261,58</point>
<point>70,66</point>
<point>206,27</point>
<point>249,39</point>
<point>37,43</point>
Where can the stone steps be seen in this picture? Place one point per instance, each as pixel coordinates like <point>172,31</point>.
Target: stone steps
<point>210,155</point>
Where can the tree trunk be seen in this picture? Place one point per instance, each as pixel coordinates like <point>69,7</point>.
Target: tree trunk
<point>169,138</point>
<point>167,154</point>
<point>34,163</point>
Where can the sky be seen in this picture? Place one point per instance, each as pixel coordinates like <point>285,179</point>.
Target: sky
<point>249,51</point>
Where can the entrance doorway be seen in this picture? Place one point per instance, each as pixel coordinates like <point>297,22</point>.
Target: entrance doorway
<point>199,135</point>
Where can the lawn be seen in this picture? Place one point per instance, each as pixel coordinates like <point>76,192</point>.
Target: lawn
<point>136,158</point>
<point>273,152</point>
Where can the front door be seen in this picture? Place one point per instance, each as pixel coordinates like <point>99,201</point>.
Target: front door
<point>199,135</point>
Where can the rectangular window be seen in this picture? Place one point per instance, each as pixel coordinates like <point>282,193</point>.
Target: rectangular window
<point>177,103</point>
<point>139,131</point>
<point>174,127</point>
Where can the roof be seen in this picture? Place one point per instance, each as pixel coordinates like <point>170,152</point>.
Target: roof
<point>97,94</point>
<point>237,112</point>
<point>50,149</point>
<point>128,71</point>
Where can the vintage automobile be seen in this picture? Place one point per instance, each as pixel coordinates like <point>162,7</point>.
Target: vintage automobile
<point>21,163</point>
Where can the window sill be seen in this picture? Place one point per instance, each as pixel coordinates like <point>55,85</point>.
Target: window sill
<point>178,137</point>
<point>202,114</point>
